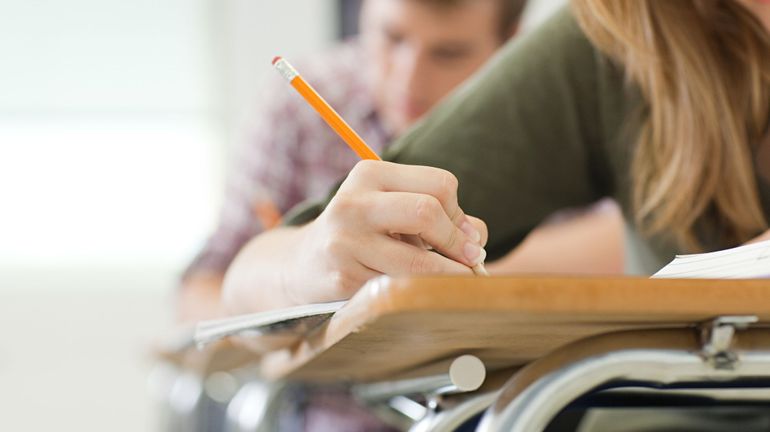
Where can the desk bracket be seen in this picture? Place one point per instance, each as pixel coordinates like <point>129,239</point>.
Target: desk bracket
<point>717,337</point>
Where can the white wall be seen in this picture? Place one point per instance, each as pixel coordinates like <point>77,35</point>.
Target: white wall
<point>106,129</point>
<point>115,118</point>
<point>114,124</point>
<point>105,56</point>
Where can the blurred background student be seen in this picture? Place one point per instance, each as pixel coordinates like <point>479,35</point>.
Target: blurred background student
<point>408,56</point>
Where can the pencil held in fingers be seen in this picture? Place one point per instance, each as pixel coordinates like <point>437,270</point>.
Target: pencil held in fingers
<point>428,194</point>
<point>419,214</point>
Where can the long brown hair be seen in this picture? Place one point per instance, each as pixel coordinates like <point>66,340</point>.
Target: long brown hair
<point>703,67</point>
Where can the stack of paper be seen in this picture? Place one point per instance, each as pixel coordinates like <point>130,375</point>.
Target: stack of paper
<point>744,262</point>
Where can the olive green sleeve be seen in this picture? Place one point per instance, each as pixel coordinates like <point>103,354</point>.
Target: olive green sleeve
<point>518,135</point>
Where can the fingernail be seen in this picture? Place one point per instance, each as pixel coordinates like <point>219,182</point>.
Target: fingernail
<point>482,257</point>
<point>471,232</point>
<point>474,253</point>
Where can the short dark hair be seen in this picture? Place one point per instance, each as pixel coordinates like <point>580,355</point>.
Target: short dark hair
<point>509,13</point>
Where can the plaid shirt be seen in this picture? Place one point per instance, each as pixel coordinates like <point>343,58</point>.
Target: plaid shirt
<point>291,154</point>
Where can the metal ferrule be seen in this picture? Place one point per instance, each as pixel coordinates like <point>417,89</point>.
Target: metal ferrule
<point>286,70</point>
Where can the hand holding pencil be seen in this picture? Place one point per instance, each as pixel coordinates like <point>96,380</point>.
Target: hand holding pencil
<point>382,201</point>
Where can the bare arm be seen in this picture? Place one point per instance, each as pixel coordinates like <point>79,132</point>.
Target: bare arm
<point>589,242</point>
<point>256,281</point>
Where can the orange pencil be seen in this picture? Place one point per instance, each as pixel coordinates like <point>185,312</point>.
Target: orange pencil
<point>323,108</point>
<point>330,116</point>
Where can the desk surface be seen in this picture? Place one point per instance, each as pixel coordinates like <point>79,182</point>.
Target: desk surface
<point>393,326</point>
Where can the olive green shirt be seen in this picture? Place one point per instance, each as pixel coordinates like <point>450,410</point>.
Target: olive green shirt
<point>549,123</point>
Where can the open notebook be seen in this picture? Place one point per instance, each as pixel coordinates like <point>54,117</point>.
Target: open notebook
<point>744,262</point>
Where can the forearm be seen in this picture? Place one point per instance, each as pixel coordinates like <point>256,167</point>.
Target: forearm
<point>586,243</point>
<point>256,280</point>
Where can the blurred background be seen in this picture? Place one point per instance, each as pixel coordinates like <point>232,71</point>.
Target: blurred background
<point>116,124</point>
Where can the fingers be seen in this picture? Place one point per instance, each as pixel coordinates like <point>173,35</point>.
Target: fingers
<point>390,177</point>
<point>412,206</point>
<point>424,216</point>
<point>393,257</point>
<point>480,227</point>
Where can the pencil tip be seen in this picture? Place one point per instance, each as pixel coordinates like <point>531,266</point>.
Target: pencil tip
<point>276,59</point>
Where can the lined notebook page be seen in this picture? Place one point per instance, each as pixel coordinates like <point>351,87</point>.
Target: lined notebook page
<point>743,262</point>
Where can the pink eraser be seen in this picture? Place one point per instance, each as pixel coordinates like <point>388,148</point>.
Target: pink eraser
<point>275,60</point>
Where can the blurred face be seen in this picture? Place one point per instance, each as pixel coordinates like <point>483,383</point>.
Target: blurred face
<point>418,52</point>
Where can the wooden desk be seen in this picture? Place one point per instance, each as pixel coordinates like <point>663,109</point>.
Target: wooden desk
<point>398,327</point>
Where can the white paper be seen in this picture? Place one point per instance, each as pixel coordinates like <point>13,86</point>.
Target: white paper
<point>744,262</point>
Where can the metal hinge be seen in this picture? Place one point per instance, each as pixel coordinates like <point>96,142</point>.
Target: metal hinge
<point>717,339</point>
